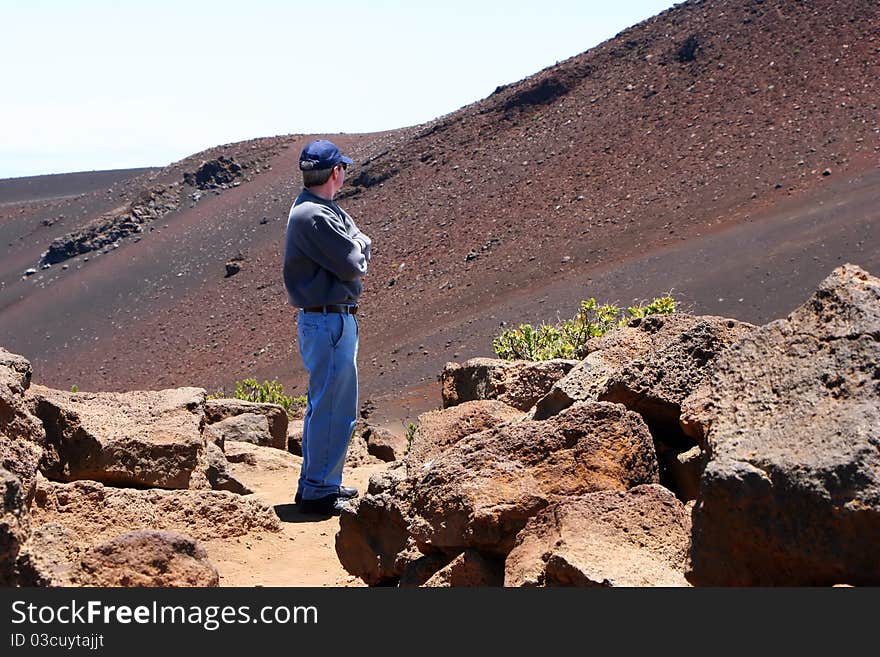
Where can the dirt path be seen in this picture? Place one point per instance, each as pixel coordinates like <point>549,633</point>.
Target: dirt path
<point>303,553</point>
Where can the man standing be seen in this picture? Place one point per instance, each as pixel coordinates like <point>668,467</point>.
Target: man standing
<point>325,258</point>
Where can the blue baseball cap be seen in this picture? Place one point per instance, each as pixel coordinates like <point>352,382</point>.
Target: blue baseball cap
<point>321,154</point>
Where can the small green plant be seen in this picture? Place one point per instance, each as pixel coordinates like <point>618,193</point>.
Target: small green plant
<point>411,430</point>
<point>74,388</point>
<point>268,392</point>
<point>569,338</point>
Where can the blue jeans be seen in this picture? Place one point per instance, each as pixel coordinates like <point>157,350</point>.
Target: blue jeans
<point>328,344</point>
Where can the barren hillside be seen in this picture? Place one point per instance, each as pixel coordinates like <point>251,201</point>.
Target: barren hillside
<point>726,150</point>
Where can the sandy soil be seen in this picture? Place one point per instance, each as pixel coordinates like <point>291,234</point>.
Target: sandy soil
<point>303,554</point>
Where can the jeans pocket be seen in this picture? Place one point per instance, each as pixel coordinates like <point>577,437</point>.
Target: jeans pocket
<point>336,328</point>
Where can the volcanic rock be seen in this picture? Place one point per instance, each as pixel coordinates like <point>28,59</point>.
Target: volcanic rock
<point>470,568</point>
<point>146,438</point>
<point>372,538</point>
<point>244,428</point>
<point>610,538</point>
<point>439,430</point>
<point>215,173</point>
<point>482,491</point>
<point>14,525</point>
<point>650,366</point>
<point>384,445</point>
<point>146,558</point>
<point>69,519</point>
<point>791,492</point>
<point>295,437</point>
<point>213,472</point>
<point>21,434</point>
<point>516,383</point>
<point>217,410</point>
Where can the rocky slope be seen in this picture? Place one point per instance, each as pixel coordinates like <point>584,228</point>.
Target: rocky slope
<point>724,149</point>
<point>681,451</point>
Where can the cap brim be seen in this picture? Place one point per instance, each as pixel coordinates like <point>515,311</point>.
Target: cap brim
<point>347,160</point>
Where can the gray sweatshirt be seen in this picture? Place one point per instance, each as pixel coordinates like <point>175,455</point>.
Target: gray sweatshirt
<point>325,254</point>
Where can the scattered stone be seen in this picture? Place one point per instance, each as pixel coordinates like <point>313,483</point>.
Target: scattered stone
<point>213,174</point>
<point>244,428</point>
<point>384,445</point>
<point>214,467</point>
<point>295,437</point>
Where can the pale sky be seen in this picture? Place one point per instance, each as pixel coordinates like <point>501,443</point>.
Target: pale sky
<point>96,84</point>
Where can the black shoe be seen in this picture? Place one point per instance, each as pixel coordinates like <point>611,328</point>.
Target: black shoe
<point>345,492</point>
<point>329,505</point>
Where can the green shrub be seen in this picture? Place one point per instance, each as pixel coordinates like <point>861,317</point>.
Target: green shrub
<point>569,338</point>
<point>411,430</point>
<point>268,392</point>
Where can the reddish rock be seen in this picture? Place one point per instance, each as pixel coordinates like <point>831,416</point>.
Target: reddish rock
<point>14,526</point>
<point>147,558</point>
<point>373,536</point>
<point>247,429</point>
<point>439,430</point>
<point>610,538</point>
<point>791,492</point>
<point>469,569</point>
<point>146,438</point>
<point>482,491</point>
<point>517,383</point>
<point>384,445</point>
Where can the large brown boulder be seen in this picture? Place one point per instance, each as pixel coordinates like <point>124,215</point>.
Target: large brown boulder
<point>372,541</point>
<point>146,438</point>
<point>16,423</point>
<point>651,366</point>
<point>437,431</point>
<point>14,526</point>
<point>480,492</point>
<point>518,383</point>
<point>218,410</point>
<point>146,558</point>
<point>68,519</point>
<point>22,459</point>
<point>610,538</point>
<point>96,510</point>
<point>791,492</point>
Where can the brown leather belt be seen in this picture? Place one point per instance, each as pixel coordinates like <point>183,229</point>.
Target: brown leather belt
<point>348,310</point>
